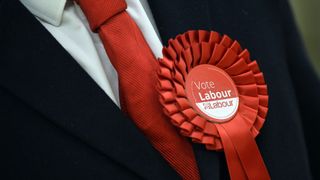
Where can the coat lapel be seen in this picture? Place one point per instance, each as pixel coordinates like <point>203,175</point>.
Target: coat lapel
<point>36,69</point>
<point>176,18</point>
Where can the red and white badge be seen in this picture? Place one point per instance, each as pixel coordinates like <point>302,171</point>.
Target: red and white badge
<point>216,95</point>
<point>212,93</point>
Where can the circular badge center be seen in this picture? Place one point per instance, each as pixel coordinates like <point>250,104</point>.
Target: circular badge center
<point>212,92</point>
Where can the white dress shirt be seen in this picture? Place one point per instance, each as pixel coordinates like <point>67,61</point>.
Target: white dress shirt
<point>68,25</point>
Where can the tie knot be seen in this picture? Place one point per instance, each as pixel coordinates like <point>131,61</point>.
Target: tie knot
<point>100,11</point>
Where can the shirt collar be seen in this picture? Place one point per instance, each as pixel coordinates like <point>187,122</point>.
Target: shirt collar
<point>48,10</point>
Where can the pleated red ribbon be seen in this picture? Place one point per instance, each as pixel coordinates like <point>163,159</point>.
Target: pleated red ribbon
<point>236,136</point>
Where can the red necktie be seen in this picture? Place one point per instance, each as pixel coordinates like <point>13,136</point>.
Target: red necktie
<point>136,67</point>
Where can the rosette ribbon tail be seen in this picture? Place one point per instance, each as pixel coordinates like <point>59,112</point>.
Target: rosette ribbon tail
<point>242,153</point>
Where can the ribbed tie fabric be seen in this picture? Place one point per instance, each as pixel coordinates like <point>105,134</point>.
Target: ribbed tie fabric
<point>136,67</point>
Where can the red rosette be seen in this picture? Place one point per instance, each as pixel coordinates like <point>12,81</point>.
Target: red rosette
<point>199,47</point>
